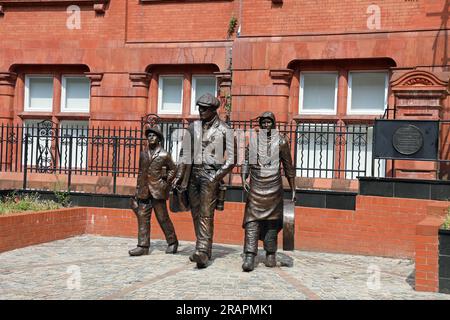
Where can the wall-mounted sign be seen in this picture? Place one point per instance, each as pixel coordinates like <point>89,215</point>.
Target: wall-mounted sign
<point>406,139</point>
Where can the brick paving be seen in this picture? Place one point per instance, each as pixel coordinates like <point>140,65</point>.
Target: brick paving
<point>50,271</point>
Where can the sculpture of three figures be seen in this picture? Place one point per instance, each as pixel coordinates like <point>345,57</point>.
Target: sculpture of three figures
<point>199,178</point>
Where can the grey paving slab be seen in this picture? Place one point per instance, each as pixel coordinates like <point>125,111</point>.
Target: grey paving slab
<point>93,267</point>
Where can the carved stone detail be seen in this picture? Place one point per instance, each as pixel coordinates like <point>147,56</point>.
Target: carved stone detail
<point>281,76</point>
<point>224,79</point>
<point>8,78</point>
<point>418,81</point>
<point>140,79</point>
<point>419,78</point>
<point>95,77</point>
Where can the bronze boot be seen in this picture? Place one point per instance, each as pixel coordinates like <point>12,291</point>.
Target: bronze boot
<point>138,251</point>
<point>172,248</point>
<point>249,262</point>
<point>271,260</point>
<point>201,258</point>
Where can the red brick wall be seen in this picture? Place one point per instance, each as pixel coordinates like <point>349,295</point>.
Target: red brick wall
<point>122,222</point>
<point>24,229</point>
<point>131,36</point>
<point>379,226</point>
<point>303,16</point>
<point>427,248</point>
<point>175,21</point>
<point>427,254</point>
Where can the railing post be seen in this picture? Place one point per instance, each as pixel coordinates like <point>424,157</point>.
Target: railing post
<point>69,178</point>
<point>115,145</point>
<point>25,162</point>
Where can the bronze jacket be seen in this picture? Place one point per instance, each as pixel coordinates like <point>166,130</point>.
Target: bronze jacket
<point>155,174</point>
<point>217,162</point>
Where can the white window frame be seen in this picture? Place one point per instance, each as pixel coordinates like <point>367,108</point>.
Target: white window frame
<point>349,93</point>
<point>301,95</point>
<point>194,85</point>
<point>63,96</point>
<point>76,148</point>
<point>160,93</point>
<point>26,106</point>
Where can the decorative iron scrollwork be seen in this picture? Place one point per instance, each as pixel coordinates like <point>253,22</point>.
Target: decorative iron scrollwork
<point>359,139</point>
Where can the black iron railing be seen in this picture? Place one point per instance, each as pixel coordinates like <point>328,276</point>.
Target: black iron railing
<point>319,150</point>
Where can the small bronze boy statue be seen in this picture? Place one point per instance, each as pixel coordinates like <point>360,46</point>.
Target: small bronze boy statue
<point>263,217</point>
<point>156,172</point>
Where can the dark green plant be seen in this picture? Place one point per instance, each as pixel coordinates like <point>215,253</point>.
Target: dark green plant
<point>232,26</point>
<point>227,105</point>
<point>446,224</point>
<point>63,198</point>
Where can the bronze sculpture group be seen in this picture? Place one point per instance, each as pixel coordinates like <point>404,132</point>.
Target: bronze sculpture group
<point>208,154</point>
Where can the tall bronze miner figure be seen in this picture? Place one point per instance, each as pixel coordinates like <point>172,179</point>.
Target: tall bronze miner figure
<point>206,157</point>
<point>263,217</point>
<point>156,173</point>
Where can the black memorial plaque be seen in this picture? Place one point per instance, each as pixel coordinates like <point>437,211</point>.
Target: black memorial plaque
<point>406,139</point>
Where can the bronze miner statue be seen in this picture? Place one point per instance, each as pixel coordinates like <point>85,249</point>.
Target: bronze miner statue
<point>202,169</point>
<point>263,217</point>
<point>156,173</point>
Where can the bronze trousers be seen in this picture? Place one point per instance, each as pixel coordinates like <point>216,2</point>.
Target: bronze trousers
<point>203,198</point>
<point>267,230</point>
<point>162,215</point>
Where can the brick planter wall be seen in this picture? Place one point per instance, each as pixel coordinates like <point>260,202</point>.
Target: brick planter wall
<point>28,228</point>
<point>379,226</point>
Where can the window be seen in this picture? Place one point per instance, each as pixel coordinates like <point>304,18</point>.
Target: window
<point>200,86</point>
<point>367,92</point>
<point>170,95</point>
<point>318,92</point>
<point>43,149</point>
<point>315,150</point>
<point>38,93</point>
<point>77,131</point>
<point>358,152</point>
<point>39,144</point>
<point>75,94</point>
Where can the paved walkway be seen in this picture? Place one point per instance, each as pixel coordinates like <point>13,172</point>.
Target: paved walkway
<point>92,267</point>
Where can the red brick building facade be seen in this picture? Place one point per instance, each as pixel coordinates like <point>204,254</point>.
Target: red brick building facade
<point>112,62</point>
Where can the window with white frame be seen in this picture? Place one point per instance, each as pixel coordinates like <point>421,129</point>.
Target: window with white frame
<point>318,92</point>
<point>170,95</point>
<point>39,143</point>
<point>367,92</point>
<point>359,161</point>
<point>38,93</point>
<point>73,144</point>
<point>200,86</point>
<point>315,150</point>
<point>75,94</point>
